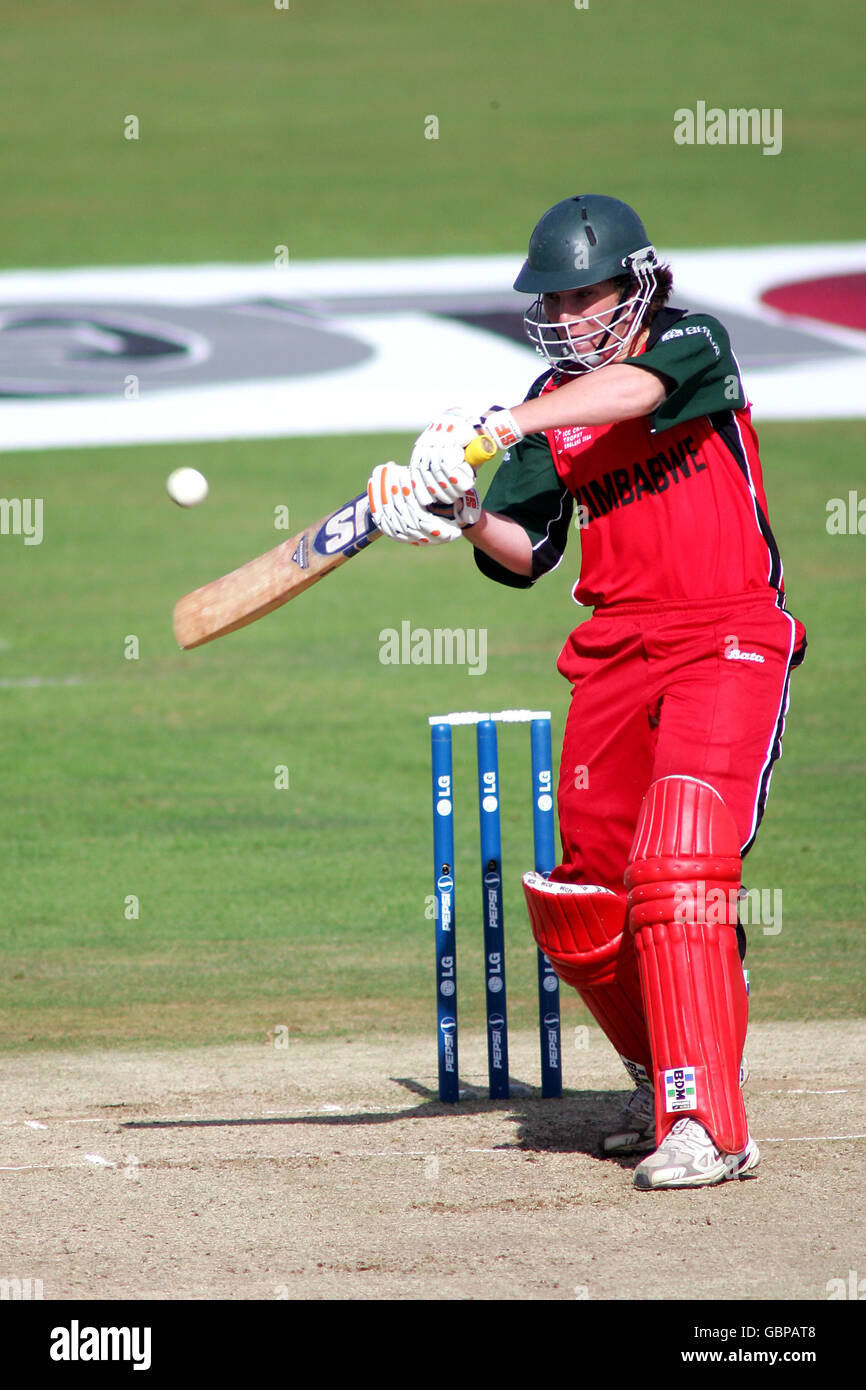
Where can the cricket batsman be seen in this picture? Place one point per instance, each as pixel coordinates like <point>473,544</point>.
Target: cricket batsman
<point>637,438</point>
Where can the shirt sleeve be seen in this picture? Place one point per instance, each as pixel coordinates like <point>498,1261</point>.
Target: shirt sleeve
<point>527,488</point>
<point>695,356</point>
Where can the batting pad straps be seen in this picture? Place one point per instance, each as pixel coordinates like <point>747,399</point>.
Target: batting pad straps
<point>683,879</point>
<point>581,930</point>
<point>685,861</point>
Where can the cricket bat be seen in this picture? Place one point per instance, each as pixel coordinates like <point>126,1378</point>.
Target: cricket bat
<point>272,579</point>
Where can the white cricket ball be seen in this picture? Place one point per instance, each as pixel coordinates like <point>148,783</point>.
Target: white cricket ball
<point>187,487</point>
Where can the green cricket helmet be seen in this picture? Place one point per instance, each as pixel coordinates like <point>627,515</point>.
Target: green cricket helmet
<point>578,242</point>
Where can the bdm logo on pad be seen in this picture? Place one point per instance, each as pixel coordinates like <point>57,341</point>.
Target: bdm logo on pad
<point>680,1092</point>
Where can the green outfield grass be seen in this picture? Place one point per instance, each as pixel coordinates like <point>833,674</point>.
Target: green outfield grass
<point>305,907</point>
<point>305,126</point>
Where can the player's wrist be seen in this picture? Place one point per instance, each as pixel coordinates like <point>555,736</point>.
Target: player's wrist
<point>502,426</point>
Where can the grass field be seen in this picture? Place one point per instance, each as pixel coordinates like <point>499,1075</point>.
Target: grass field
<point>152,777</point>
<point>305,126</point>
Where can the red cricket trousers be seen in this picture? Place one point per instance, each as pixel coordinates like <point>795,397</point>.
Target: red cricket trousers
<point>697,689</point>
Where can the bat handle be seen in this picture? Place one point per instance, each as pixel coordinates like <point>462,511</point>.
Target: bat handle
<point>479,450</point>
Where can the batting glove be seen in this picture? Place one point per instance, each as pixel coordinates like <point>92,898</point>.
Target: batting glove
<point>466,511</point>
<point>439,468</point>
<point>398,512</point>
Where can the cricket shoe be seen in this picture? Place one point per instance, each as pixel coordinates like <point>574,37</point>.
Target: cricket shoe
<point>634,1130</point>
<point>687,1157</point>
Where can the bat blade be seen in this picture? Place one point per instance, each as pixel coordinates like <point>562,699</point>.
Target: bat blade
<point>279,575</point>
<point>272,579</point>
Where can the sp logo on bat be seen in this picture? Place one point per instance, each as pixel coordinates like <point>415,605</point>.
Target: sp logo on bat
<point>347,531</point>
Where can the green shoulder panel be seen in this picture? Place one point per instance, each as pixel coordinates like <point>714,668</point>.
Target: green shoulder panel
<point>695,356</point>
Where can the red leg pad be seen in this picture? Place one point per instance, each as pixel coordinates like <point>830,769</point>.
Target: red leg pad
<point>683,878</point>
<point>581,930</point>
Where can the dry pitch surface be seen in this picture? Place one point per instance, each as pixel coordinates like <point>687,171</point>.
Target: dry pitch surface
<point>329,1170</point>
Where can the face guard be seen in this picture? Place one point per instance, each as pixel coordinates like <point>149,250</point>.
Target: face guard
<point>569,346</point>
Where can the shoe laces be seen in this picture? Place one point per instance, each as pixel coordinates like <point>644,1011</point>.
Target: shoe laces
<point>641,1104</point>
<point>693,1138</point>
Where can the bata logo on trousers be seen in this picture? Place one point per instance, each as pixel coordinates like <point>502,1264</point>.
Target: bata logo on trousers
<point>734,654</point>
<point>680,1092</point>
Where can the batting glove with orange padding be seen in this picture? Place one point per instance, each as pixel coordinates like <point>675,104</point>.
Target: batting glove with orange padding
<point>466,511</point>
<point>399,513</point>
<point>439,468</point>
